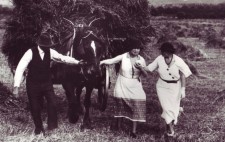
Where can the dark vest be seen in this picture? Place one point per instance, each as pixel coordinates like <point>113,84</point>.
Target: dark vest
<point>38,69</point>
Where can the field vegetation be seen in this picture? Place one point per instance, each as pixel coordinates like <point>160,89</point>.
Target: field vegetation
<point>200,42</point>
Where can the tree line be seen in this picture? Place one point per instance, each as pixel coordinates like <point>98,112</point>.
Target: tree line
<point>190,11</point>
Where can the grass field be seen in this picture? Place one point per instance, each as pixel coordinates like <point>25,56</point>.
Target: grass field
<point>203,119</point>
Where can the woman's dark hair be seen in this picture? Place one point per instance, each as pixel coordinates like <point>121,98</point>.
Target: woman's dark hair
<point>167,47</point>
<point>131,43</point>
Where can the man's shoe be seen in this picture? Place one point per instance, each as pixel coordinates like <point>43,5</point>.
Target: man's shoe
<point>171,134</point>
<point>52,127</point>
<point>38,131</point>
<point>133,135</point>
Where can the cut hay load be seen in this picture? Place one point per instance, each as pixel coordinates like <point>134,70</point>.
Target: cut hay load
<point>111,20</point>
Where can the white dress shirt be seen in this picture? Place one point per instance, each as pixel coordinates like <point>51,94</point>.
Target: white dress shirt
<point>27,57</point>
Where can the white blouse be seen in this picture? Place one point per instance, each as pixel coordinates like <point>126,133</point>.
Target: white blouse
<point>171,71</point>
<point>27,57</point>
<point>127,69</point>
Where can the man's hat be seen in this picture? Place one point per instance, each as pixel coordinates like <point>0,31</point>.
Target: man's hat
<point>45,40</point>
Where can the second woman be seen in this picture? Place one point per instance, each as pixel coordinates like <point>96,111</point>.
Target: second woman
<point>128,93</point>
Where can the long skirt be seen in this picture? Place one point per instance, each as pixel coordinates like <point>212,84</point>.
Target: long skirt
<point>130,99</point>
<point>169,96</point>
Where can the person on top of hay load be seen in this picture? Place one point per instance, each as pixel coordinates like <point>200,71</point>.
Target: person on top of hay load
<point>171,84</point>
<point>129,95</point>
<point>38,81</point>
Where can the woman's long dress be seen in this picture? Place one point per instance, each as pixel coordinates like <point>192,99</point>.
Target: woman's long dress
<point>169,86</point>
<point>128,93</point>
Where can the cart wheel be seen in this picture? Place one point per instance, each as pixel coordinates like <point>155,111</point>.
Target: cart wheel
<point>103,90</point>
<point>107,81</point>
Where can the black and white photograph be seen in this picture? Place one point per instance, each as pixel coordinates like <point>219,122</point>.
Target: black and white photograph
<point>112,70</point>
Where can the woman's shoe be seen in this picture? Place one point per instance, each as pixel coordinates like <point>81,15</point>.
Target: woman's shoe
<point>170,130</point>
<point>171,134</point>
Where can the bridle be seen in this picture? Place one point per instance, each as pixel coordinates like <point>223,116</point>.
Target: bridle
<point>82,73</point>
<point>71,48</point>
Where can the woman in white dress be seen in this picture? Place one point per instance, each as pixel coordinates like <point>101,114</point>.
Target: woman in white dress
<point>129,95</point>
<point>171,83</point>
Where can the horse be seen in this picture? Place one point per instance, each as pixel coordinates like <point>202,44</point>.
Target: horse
<point>88,47</point>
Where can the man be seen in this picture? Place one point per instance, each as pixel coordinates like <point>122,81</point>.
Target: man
<point>38,81</point>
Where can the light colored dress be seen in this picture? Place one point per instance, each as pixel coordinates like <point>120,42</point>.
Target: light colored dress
<point>129,95</point>
<point>169,86</point>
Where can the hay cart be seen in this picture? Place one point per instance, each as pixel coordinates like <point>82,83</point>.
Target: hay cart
<point>118,19</point>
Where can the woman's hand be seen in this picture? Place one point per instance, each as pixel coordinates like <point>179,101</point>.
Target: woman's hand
<point>82,63</point>
<point>141,68</point>
<point>183,92</point>
<point>138,65</point>
<point>16,92</point>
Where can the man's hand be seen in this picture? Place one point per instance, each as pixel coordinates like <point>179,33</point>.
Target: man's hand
<point>16,92</point>
<point>82,62</point>
<point>102,62</point>
<point>183,92</point>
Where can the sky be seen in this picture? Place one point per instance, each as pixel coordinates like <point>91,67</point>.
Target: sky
<point>161,2</point>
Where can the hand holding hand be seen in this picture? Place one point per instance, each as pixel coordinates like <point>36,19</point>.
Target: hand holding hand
<point>183,92</point>
<point>138,65</point>
<point>16,92</point>
<point>82,62</point>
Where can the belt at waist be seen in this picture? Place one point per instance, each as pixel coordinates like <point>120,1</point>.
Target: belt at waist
<point>170,81</point>
<point>128,77</point>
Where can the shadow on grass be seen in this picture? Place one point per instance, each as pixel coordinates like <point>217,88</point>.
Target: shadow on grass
<point>7,101</point>
<point>5,93</point>
<point>154,125</point>
<point>101,121</point>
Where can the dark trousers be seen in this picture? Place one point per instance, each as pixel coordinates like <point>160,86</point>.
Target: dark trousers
<point>36,93</point>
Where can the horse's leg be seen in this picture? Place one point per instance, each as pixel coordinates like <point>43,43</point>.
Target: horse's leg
<point>100,97</point>
<point>87,104</point>
<point>78,93</point>
<point>72,102</point>
<point>102,94</point>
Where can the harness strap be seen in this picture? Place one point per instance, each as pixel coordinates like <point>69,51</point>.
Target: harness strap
<point>82,72</point>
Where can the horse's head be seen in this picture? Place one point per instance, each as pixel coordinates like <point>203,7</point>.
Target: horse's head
<point>88,47</point>
<point>83,44</point>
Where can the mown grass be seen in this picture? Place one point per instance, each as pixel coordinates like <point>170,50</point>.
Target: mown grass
<point>202,120</point>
